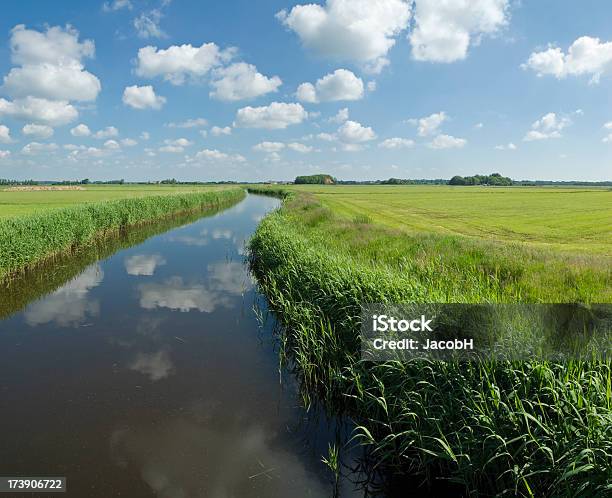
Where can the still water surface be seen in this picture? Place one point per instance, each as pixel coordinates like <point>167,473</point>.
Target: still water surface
<point>148,374</point>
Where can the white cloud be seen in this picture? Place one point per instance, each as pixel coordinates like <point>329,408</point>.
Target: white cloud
<point>111,145</point>
<point>341,116</point>
<point>34,148</point>
<point>179,142</point>
<point>177,63</point>
<point>4,154</point>
<point>142,97</point>
<point>217,130</point>
<point>203,133</point>
<point>49,75</point>
<point>509,146</point>
<point>128,142</point>
<point>444,30</point>
<point>371,86</point>
<point>109,131</point>
<point>447,142</point>
<point>55,46</point>
<point>190,123</point>
<point>117,5</point>
<point>607,139</point>
<point>5,134</point>
<point>548,126</point>
<point>269,147</point>
<point>429,125</point>
<point>608,125</point>
<point>277,115</point>
<point>156,365</point>
<point>479,126</point>
<point>81,130</point>
<point>586,56</point>
<point>241,81</point>
<point>37,131</point>
<point>51,112</point>
<point>215,155</point>
<point>339,85</point>
<point>145,135</point>
<point>396,143</point>
<point>301,148</point>
<point>175,146</point>
<point>352,132</point>
<point>354,30</point>
<point>327,137</point>
<point>147,24</point>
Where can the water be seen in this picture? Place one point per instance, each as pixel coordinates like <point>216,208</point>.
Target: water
<point>147,373</point>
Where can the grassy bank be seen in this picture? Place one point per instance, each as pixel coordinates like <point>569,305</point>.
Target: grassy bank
<point>31,239</point>
<point>514,428</point>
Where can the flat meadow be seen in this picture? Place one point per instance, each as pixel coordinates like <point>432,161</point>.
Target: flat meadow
<point>14,202</point>
<point>574,219</point>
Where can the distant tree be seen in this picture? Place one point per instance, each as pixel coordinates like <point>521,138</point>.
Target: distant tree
<point>85,181</point>
<point>315,179</point>
<point>457,180</point>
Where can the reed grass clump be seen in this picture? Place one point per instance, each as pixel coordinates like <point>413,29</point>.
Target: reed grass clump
<point>497,428</point>
<point>28,240</point>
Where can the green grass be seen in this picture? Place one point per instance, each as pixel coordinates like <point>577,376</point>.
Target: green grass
<point>30,239</point>
<point>18,203</point>
<point>568,219</point>
<point>531,428</point>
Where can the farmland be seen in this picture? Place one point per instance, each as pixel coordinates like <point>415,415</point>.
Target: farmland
<point>499,427</point>
<point>46,224</point>
<point>18,202</point>
<point>567,219</point>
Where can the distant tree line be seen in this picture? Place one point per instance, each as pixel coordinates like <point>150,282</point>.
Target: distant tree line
<point>315,179</point>
<point>494,179</point>
<point>4,181</point>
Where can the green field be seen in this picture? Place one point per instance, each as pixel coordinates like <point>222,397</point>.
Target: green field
<point>498,428</point>
<point>569,219</point>
<point>17,203</point>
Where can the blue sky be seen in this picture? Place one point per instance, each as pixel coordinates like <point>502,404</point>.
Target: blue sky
<point>361,89</point>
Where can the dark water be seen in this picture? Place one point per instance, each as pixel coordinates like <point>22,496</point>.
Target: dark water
<point>147,373</point>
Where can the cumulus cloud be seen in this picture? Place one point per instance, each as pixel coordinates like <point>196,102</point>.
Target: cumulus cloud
<point>341,116</point>
<point>299,147</point>
<point>509,146</point>
<point>109,131</point>
<point>216,155</point>
<point>277,115</point>
<point>49,75</point>
<point>241,81</point>
<point>269,147</point>
<point>142,97</point>
<point>217,130</point>
<point>147,24</point>
<point>396,143</point>
<point>178,63</point>
<point>429,125</point>
<point>5,134</point>
<point>190,123</point>
<point>4,154</point>
<point>352,132</point>
<point>111,145</point>
<point>37,131</point>
<point>50,112</point>
<point>444,30</point>
<point>34,148</point>
<point>339,85</point>
<point>586,56</point>
<point>548,126</point>
<point>81,130</point>
<point>175,146</point>
<point>362,31</point>
<point>128,142</point>
<point>117,5</point>
<point>447,142</point>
